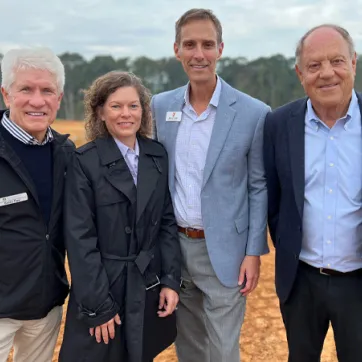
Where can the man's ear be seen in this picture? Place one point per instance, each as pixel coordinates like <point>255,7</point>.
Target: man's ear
<point>6,97</point>
<point>176,49</point>
<point>220,50</point>
<point>60,99</point>
<point>354,63</point>
<point>299,73</point>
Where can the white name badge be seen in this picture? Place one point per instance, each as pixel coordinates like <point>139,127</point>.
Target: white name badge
<point>13,199</point>
<point>173,116</point>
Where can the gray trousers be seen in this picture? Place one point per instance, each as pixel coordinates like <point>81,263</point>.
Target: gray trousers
<point>209,315</point>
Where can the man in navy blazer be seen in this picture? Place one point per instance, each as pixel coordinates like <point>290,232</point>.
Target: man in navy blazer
<point>313,163</point>
<point>214,138</point>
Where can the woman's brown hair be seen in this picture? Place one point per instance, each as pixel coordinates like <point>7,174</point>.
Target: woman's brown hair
<point>97,94</point>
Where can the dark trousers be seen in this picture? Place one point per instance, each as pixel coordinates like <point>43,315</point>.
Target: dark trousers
<point>316,301</point>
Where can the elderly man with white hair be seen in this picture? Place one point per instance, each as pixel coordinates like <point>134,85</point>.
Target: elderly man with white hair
<point>33,160</point>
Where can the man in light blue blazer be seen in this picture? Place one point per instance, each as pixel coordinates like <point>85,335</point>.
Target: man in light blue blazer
<point>214,135</point>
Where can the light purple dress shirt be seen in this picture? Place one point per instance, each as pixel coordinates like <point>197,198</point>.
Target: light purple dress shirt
<point>131,157</point>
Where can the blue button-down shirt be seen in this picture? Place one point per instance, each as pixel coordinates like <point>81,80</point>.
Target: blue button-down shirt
<point>192,144</point>
<point>131,157</point>
<point>332,221</point>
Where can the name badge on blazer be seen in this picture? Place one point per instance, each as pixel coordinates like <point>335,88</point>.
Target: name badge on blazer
<point>173,116</point>
<point>13,199</point>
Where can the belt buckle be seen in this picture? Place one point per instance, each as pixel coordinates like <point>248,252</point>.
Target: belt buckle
<point>187,232</point>
<point>322,272</point>
<point>154,284</point>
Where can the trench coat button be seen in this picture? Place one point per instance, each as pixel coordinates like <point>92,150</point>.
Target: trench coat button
<point>128,230</point>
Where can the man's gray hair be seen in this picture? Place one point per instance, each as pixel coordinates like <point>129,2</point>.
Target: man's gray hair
<point>31,58</point>
<point>339,29</point>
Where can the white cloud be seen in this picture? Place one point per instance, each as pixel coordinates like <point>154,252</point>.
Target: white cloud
<point>139,27</point>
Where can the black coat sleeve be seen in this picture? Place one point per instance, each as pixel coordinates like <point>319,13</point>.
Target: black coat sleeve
<point>89,279</point>
<point>272,178</point>
<point>169,245</point>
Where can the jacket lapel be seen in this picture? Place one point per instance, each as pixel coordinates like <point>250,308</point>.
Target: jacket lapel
<point>149,170</point>
<point>170,134</point>
<point>225,115</point>
<point>296,135</point>
<point>117,173</point>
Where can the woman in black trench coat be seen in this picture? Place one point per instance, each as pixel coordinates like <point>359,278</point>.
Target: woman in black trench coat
<point>121,233</point>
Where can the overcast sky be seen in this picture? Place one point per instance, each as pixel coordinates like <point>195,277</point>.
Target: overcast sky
<point>130,28</point>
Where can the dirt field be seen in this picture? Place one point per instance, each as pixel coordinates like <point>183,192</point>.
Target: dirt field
<point>262,338</point>
<point>74,128</point>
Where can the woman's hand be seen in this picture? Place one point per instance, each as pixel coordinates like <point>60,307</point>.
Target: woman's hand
<point>105,330</point>
<point>168,300</point>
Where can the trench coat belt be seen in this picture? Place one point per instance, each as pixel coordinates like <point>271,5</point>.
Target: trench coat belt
<point>142,260</point>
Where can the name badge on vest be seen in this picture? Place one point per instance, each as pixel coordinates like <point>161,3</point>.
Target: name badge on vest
<point>173,116</point>
<point>13,199</point>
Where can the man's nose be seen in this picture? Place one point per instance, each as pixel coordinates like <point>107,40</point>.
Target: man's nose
<point>198,53</point>
<point>37,99</point>
<point>327,70</point>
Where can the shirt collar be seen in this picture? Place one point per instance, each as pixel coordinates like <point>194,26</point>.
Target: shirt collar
<point>22,135</point>
<point>124,149</point>
<point>215,96</point>
<point>311,116</point>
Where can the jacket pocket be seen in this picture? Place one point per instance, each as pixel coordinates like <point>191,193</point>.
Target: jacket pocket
<point>242,224</point>
<point>110,199</point>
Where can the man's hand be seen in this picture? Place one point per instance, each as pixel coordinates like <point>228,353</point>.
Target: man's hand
<point>250,269</point>
<point>168,301</point>
<point>105,330</point>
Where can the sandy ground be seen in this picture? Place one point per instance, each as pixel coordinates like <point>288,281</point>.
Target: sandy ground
<point>74,128</point>
<point>262,337</point>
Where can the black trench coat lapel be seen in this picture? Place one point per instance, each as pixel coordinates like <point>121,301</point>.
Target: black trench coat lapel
<point>149,170</point>
<point>118,174</point>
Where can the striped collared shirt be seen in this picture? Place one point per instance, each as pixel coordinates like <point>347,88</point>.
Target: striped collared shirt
<point>22,135</point>
<point>131,157</point>
<point>192,143</point>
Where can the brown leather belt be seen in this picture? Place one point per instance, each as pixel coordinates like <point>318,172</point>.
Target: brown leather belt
<point>331,272</point>
<point>192,233</point>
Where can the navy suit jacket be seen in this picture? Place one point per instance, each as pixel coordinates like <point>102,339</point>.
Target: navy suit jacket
<point>284,167</point>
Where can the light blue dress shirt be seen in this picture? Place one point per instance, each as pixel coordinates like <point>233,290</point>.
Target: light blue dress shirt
<point>192,144</point>
<point>332,219</point>
<point>131,157</point>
